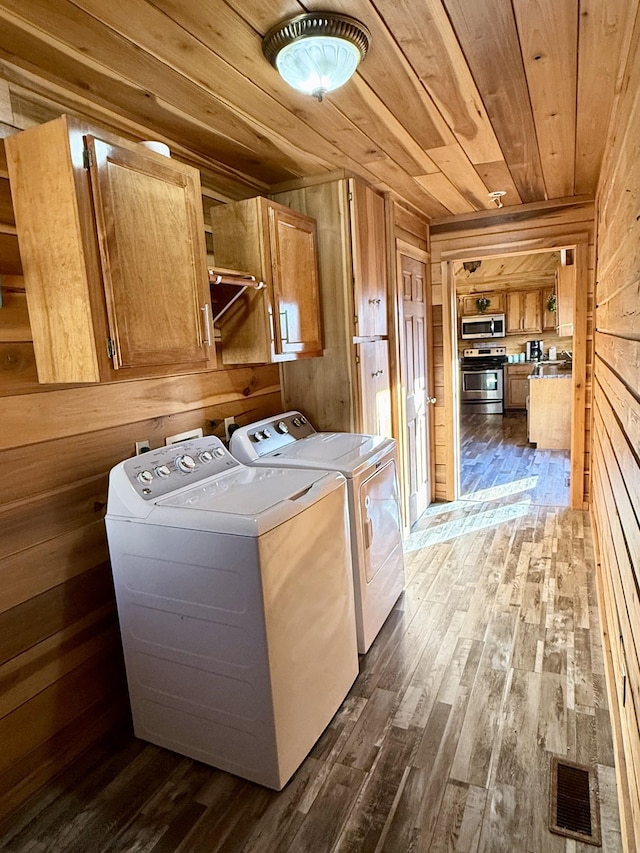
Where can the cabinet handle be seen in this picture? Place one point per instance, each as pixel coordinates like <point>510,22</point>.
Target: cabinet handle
<point>375,301</point>
<point>377,373</point>
<point>432,400</point>
<point>207,324</point>
<point>284,335</point>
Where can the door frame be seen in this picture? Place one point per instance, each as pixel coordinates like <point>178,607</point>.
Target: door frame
<point>580,244</point>
<point>402,247</point>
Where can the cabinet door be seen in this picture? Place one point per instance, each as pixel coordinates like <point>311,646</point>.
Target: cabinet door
<point>470,303</point>
<point>531,313</point>
<point>368,238</point>
<point>375,388</point>
<point>516,386</point>
<point>153,256</point>
<point>548,317</point>
<point>566,278</point>
<point>296,291</point>
<point>523,312</point>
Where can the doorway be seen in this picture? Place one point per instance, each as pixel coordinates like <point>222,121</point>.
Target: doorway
<point>519,242</point>
<point>514,431</point>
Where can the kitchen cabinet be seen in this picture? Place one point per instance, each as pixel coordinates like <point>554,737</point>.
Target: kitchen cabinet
<point>112,243</point>
<point>565,289</point>
<point>470,307</point>
<point>348,389</point>
<point>523,313</point>
<point>516,385</point>
<point>550,412</point>
<point>277,245</point>
<point>548,317</point>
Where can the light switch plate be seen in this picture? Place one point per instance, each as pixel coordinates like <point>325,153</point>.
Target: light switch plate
<point>184,436</point>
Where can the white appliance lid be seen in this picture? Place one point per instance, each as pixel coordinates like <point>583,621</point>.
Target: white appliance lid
<point>339,451</point>
<point>249,491</point>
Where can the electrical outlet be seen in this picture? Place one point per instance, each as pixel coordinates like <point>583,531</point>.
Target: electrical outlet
<point>227,423</point>
<point>142,446</point>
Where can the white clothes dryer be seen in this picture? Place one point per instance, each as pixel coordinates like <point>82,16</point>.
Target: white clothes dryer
<point>235,601</point>
<point>369,462</point>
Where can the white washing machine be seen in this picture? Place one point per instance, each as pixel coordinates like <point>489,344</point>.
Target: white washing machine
<point>369,462</point>
<point>235,602</point>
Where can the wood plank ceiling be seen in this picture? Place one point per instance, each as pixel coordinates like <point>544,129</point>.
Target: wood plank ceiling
<point>455,98</point>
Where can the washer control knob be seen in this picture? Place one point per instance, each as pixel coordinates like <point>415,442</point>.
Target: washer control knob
<point>282,427</point>
<point>259,436</point>
<point>163,471</point>
<point>297,422</point>
<point>303,420</point>
<point>266,433</point>
<point>218,453</point>
<point>185,463</point>
<point>145,477</point>
<point>205,456</point>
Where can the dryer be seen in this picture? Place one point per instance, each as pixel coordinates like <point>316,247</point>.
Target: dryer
<point>369,462</point>
<point>235,601</point>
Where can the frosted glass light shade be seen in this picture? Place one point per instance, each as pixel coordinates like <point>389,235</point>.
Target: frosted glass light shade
<point>316,53</point>
<point>318,65</point>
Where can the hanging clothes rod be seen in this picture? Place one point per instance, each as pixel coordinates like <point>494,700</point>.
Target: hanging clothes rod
<point>241,280</point>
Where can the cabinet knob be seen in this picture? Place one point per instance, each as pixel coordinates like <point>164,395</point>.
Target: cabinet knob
<point>432,400</point>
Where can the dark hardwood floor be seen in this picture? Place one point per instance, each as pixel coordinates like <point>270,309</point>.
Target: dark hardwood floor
<point>490,663</point>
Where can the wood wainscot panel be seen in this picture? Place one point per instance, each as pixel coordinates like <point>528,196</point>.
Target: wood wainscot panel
<point>85,596</point>
<point>59,463</point>
<point>32,418</point>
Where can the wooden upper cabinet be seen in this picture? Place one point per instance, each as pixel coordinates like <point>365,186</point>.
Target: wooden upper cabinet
<point>112,241</point>
<point>565,290</point>
<point>368,238</point>
<point>548,317</point>
<point>523,312</point>
<point>278,246</point>
<point>470,303</point>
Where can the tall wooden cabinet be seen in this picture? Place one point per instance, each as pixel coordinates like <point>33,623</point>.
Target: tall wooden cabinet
<point>112,243</point>
<point>278,246</point>
<point>349,387</point>
<point>565,290</point>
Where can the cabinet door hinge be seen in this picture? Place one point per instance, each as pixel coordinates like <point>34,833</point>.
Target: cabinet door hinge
<point>111,348</point>
<point>350,196</point>
<point>87,158</point>
<point>357,359</point>
<point>355,319</point>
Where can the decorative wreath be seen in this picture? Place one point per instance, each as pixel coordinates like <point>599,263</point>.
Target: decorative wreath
<point>552,303</point>
<point>482,304</point>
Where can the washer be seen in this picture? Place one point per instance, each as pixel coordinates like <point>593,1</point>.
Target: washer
<point>369,462</point>
<point>235,601</point>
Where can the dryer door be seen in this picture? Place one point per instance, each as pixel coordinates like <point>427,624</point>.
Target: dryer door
<point>379,511</point>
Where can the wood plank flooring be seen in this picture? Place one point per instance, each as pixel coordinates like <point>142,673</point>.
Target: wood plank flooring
<point>490,663</point>
<point>496,455</point>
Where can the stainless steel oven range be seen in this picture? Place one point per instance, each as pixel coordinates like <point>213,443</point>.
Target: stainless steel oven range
<point>481,382</point>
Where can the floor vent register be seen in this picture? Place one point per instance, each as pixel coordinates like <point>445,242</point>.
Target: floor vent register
<point>574,802</point>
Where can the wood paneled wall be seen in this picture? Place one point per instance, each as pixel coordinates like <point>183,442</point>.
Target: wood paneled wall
<point>616,426</point>
<point>61,675</point>
<point>530,228</point>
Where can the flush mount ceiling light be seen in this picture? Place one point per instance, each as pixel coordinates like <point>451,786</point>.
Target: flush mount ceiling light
<point>317,52</point>
<point>496,196</point>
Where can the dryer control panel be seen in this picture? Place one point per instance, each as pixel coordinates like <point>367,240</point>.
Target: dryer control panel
<point>263,437</point>
<point>166,469</point>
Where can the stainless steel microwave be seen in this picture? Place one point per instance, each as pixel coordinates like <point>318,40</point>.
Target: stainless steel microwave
<point>483,326</point>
